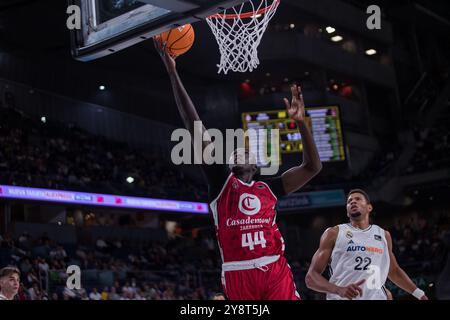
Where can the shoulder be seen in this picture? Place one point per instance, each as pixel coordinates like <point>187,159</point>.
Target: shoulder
<point>275,184</point>
<point>332,231</point>
<point>330,235</point>
<point>386,233</point>
<point>388,236</point>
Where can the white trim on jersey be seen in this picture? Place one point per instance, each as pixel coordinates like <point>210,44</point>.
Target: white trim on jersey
<point>269,190</point>
<point>385,292</point>
<point>245,183</point>
<point>2,297</point>
<point>362,230</point>
<point>293,282</point>
<point>220,250</point>
<point>249,264</point>
<point>213,207</point>
<point>213,204</point>
<point>276,199</point>
<point>224,281</point>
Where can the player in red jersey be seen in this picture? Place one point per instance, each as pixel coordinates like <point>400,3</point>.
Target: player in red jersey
<point>243,206</point>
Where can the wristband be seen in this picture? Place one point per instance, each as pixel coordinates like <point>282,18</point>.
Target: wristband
<point>418,294</point>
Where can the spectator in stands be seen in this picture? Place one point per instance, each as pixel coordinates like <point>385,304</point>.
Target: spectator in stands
<point>43,265</point>
<point>54,296</point>
<point>113,294</point>
<point>58,253</point>
<point>24,241</point>
<point>218,296</point>
<point>127,290</point>
<point>95,295</point>
<point>34,292</point>
<point>23,293</point>
<point>139,295</point>
<point>101,244</point>
<point>69,294</point>
<point>105,293</point>
<point>25,266</point>
<point>9,283</point>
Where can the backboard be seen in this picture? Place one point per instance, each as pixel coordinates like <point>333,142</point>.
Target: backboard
<point>109,26</point>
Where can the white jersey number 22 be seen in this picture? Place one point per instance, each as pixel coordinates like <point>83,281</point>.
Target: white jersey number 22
<point>251,240</point>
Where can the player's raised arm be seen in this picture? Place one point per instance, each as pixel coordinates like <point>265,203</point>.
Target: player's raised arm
<point>184,103</point>
<point>399,277</point>
<point>314,279</point>
<point>296,177</point>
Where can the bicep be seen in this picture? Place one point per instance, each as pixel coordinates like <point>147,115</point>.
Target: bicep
<point>393,265</point>
<point>295,178</point>
<point>320,260</point>
<point>322,256</point>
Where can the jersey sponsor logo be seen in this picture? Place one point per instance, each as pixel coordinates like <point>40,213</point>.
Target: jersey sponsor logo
<point>349,234</point>
<point>249,204</point>
<point>377,237</point>
<point>246,221</point>
<point>365,249</point>
<point>351,242</point>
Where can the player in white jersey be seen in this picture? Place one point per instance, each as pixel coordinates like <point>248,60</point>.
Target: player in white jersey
<point>359,256</point>
<point>9,283</point>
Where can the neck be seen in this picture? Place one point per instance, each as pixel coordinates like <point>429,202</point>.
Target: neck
<point>245,177</point>
<point>363,224</point>
<point>9,296</point>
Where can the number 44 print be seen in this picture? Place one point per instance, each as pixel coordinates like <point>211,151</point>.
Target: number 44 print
<point>251,240</point>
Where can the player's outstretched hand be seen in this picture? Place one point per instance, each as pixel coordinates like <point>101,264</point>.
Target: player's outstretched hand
<point>296,108</point>
<point>169,61</point>
<point>351,291</point>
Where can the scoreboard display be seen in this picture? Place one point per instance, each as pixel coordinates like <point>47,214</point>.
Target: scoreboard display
<point>325,124</point>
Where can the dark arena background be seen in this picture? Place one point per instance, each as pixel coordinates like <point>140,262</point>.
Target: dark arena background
<point>86,176</point>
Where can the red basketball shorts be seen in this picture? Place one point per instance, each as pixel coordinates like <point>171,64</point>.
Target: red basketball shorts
<point>259,279</point>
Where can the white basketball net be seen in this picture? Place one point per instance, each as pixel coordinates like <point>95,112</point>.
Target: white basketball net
<point>239,34</point>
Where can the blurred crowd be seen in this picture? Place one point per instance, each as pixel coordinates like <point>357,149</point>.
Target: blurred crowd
<point>51,155</point>
<point>113,270</point>
<point>187,266</point>
<point>419,244</point>
<point>433,149</point>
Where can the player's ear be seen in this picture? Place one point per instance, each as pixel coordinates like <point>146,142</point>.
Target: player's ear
<point>370,208</point>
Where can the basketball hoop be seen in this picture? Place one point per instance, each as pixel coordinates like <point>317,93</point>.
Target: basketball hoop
<point>239,31</point>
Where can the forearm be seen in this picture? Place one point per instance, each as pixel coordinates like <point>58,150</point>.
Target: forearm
<point>190,116</point>
<point>311,158</point>
<point>402,280</point>
<point>315,281</point>
<point>184,103</point>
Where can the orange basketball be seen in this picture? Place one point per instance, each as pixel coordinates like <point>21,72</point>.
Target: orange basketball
<point>179,40</point>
